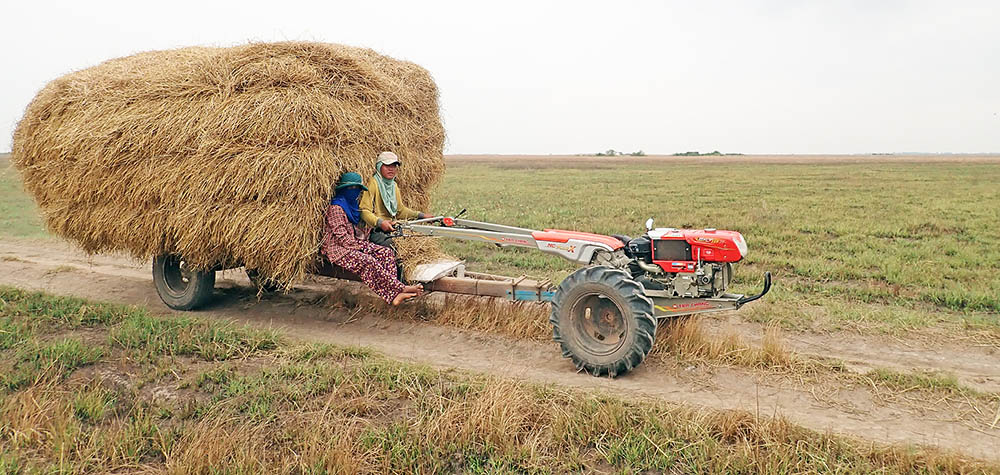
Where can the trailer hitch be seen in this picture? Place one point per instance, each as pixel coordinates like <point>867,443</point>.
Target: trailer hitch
<point>750,298</point>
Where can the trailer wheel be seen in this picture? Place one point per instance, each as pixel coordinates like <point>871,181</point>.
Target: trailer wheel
<point>180,287</point>
<point>261,282</point>
<point>602,321</point>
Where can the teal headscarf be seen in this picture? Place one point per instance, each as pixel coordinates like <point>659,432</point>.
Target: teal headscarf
<point>387,188</point>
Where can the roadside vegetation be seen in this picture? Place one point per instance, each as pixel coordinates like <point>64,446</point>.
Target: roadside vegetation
<point>99,387</point>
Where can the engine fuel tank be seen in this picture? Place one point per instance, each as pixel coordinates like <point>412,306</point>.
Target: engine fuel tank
<point>680,250</point>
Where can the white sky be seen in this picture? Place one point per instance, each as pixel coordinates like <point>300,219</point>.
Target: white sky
<point>572,77</point>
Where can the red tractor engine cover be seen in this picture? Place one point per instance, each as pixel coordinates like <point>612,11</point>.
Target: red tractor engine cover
<point>671,247</point>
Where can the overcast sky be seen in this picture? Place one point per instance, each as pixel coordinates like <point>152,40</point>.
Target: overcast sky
<point>573,77</point>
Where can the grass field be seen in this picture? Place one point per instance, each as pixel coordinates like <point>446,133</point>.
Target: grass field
<point>871,244</point>
<point>877,244</point>
<point>19,215</point>
<point>91,387</point>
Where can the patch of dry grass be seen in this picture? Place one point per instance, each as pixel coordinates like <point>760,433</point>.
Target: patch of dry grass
<point>516,319</point>
<point>687,339</point>
<point>485,314</point>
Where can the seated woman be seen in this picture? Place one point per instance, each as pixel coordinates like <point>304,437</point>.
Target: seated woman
<point>382,203</point>
<point>346,245</point>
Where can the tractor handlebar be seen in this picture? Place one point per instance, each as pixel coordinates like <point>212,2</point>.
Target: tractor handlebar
<point>447,221</point>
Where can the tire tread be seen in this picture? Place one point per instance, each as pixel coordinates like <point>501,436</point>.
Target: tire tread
<point>639,306</point>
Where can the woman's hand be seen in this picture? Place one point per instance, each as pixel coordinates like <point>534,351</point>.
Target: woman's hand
<point>386,225</point>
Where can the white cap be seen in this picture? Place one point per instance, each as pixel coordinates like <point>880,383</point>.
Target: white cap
<point>387,158</point>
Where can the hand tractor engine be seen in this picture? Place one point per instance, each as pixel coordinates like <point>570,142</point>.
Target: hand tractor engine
<point>680,263</point>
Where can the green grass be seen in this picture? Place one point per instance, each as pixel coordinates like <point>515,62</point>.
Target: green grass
<point>19,216</point>
<point>908,381</point>
<point>288,407</point>
<point>92,405</point>
<point>36,362</point>
<point>150,337</point>
<point>910,240</point>
<point>27,316</point>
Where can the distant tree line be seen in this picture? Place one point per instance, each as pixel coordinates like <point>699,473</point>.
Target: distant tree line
<point>614,153</point>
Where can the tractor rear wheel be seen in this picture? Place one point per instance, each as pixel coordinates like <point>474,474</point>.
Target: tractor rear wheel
<point>261,282</point>
<point>602,321</point>
<point>179,286</point>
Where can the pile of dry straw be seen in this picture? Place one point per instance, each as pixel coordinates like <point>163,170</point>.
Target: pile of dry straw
<point>223,155</point>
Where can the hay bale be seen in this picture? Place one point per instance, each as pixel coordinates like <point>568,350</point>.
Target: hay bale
<point>223,155</point>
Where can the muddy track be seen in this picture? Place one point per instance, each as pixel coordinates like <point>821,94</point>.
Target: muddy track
<point>59,269</point>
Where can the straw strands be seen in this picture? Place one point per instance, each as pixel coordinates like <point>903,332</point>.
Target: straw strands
<point>225,156</point>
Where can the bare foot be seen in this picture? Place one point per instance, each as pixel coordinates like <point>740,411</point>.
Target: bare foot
<point>416,289</point>
<point>403,296</point>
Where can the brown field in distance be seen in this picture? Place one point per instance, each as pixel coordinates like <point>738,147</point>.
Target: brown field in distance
<point>551,160</point>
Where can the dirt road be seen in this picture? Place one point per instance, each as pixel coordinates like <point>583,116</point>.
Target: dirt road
<point>822,405</point>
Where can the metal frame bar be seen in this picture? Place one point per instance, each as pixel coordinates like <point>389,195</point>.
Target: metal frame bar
<point>470,224</point>
<point>501,228</point>
<point>501,238</point>
<point>664,307</point>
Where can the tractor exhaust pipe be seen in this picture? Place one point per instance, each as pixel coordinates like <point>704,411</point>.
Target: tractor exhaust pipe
<point>750,298</point>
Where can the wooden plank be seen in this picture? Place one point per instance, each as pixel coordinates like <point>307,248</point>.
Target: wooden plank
<point>454,285</point>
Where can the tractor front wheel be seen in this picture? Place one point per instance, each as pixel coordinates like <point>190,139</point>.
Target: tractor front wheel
<point>602,321</point>
<point>179,286</point>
